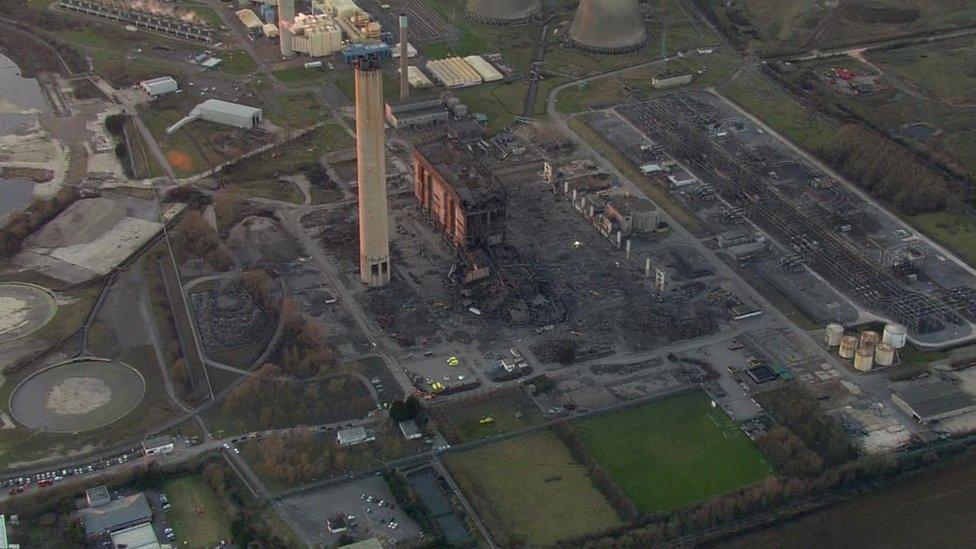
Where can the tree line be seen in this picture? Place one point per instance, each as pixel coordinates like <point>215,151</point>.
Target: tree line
<point>601,480</point>
<point>22,224</point>
<point>886,170</point>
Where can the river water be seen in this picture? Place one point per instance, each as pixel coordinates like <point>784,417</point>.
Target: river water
<point>21,100</point>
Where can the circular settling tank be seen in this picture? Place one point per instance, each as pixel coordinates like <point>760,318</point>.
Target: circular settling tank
<point>77,396</point>
<point>24,309</point>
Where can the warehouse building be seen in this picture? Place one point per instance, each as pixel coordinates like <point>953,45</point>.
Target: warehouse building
<point>932,399</point>
<point>454,72</point>
<point>250,20</point>
<point>156,87</point>
<point>484,69</point>
<point>415,113</point>
<point>221,112</point>
<point>460,196</point>
<point>417,78</point>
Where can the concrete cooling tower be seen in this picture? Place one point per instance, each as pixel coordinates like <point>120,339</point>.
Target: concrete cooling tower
<point>503,12</point>
<point>608,26</point>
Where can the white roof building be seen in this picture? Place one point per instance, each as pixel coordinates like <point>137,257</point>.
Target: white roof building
<point>159,86</point>
<point>353,435</point>
<point>485,69</point>
<point>222,112</point>
<point>136,537</point>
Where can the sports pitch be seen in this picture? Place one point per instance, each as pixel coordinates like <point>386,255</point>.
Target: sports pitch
<point>530,491</point>
<point>674,452</point>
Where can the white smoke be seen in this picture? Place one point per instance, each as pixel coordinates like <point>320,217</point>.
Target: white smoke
<point>158,8</point>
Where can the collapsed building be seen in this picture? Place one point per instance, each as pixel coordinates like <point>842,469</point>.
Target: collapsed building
<point>164,20</point>
<point>459,195</point>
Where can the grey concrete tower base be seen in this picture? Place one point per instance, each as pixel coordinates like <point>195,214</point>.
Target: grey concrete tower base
<point>374,225</point>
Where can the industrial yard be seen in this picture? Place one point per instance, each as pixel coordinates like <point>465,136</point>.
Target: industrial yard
<point>428,272</point>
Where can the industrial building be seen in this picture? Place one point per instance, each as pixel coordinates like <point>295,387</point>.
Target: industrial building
<point>453,72</point>
<point>670,79</point>
<point>164,21</point>
<point>354,21</point>
<point>221,112</point>
<point>250,20</point>
<point>116,515</point>
<point>608,26</point>
<point>459,195</point>
<point>316,35</point>
<point>484,69</point>
<point>374,224</point>
<point>417,78</point>
<point>156,87</point>
<point>633,215</point>
<point>416,113</point>
<point>932,399</point>
<point>503,12</point>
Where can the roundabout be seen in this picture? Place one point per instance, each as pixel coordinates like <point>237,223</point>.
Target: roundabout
<point>76,396</point>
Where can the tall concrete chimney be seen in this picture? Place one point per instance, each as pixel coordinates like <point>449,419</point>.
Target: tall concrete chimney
<point>404,81</point>
<point>286,20</point>
<point>374,227</point>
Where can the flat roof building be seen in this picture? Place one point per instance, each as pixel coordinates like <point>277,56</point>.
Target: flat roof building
<point>460,196</point>
<point>410,429</point>
<point>136,537</point>
<point>416,113</point>
<point>116,515</point>
<point>353,436</point>
<point>97,496</point>
<point>158,445</point>
<point>931,400</point>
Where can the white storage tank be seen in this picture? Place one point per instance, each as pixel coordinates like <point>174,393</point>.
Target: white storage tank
<point>834,334</point>
<point>864,360</point>
<point>848,346</point>
<point>895,335</point>
<point>884,355</point>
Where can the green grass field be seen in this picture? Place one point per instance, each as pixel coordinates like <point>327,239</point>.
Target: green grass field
<point>237,62</point>
<point>196,515</point>
<point>530,491</point>
<point>511,411</point>
<point>674,452</point>
<point>956,231</point>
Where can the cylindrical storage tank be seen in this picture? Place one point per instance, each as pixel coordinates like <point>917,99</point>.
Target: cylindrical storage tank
<point>884,355</point>
<point>460,110</point>
<point>452,102</point>
<point>895,335</point>
<point>834,333</point>
<point>869,339</point>
<point>848,346</point>
<point>863,360</point>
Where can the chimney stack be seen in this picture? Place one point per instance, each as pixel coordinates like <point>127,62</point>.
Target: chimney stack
<point>404,81</point>
<point>374,225</point>
<point>286,20</point>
